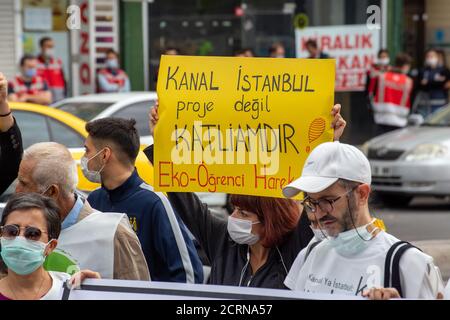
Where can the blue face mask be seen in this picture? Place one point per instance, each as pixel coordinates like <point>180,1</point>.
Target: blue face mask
<point>22,256</point>
<point>352,242</point>
<point>112,64</point>
<point>30,73</point>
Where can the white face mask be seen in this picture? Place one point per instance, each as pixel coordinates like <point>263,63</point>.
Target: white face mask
<point>91,175</point>
<point>384,61</point>
<point>352,242</point>
<point>240,231</point>
<point>319,234</point>
<point>49,52</point>
<point>432,62</point>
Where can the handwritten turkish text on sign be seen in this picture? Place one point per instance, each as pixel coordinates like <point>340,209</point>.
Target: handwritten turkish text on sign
<point>239,125</point>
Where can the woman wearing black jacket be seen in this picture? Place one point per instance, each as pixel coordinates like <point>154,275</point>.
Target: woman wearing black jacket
<point>257,245</point>
<point>11,148</point>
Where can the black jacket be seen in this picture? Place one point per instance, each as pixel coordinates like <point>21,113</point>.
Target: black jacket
<point>229,260</point>
<point>10,155</point>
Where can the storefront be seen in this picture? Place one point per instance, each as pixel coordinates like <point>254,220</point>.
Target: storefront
<point>81,47</point>
<point>141,29</point>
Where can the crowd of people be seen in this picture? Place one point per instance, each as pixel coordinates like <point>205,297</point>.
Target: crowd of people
<point>42,80</point>
<point>329,242</point>
<point>395,91</point>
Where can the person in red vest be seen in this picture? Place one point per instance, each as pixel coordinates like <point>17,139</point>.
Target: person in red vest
<point>51,69</point>
<point>112,78</point>
<point>381,65</point>
<point>28,86</point>
<point>392,99</point>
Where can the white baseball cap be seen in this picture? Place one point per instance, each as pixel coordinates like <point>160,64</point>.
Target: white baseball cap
<point>327,163</point>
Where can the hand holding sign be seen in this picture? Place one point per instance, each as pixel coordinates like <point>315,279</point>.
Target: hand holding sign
<point>338,124</point>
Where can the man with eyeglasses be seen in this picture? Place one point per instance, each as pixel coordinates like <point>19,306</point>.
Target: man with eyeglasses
<point>356,257</point>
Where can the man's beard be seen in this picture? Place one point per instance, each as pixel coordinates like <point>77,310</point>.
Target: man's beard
<point>346,223</point>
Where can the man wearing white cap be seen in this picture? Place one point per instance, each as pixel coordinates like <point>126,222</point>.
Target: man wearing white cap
<point>356,255</point>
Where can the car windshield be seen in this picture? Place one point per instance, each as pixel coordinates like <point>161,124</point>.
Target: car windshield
<point>85,110</point>
<point>440,118</point>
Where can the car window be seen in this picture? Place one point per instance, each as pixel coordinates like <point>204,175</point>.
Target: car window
<point>139,112</point>
<point>65,135</point>
<point>33,127</point>
<point>85,110</point>
<point>439,118</point>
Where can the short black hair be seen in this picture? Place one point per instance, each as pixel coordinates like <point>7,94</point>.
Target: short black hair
<point>25,58</point>
<point>238,52</point>
<point>44,40</point>
<point>27,201</point>
<point>121,132</point>
<point>311,43</point>
<point>274,46</point>
<point>402,59</point>
<point>383,50</point>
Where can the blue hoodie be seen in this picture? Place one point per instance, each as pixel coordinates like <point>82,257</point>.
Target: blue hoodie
<point>168,249</point>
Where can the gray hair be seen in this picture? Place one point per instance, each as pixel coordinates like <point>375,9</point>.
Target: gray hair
<point>53,165</point>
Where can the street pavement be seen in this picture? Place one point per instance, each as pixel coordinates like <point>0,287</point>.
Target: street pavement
<point>424,219</point>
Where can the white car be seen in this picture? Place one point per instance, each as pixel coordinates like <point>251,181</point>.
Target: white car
<point>126,105</point>
<point>134,105</point>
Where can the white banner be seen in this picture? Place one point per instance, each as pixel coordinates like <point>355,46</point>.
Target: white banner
<point>354,47</point>
<point>95,289</point>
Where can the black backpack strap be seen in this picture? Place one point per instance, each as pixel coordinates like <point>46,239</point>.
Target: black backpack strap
<point>392,265</point>
<point>312,246</point>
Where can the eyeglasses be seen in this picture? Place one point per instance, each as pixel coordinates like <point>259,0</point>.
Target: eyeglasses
<point>11,231</point>
<point>325,205</point>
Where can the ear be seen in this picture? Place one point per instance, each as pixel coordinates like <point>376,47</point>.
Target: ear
<point>107,154</point>
<point>363,192</point>
<point>53,191</point>
<point>50,247</point>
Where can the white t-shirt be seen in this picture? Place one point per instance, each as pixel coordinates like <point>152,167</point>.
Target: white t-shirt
<point>326,271</point>
<point>56,291</point>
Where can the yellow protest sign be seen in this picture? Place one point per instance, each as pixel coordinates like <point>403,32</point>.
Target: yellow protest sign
<point>239,125</point>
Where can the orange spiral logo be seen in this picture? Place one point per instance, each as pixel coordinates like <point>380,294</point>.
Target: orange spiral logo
<point>316,128</point>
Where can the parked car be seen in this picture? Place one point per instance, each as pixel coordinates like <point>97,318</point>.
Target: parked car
<point>123,105</point>
<point>40,124</point>
<point>412,161</point>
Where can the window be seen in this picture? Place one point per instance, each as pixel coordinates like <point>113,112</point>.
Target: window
<point>85,110</point>
<point>65,135</point>
<point>33,127</point>
<point>138,111</point>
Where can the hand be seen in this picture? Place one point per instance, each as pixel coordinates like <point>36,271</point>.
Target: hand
<point>338,123</point>
<point>3,88</point>
<point>153,116</point>
<point>79,277</point>
<point>381,294</point>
